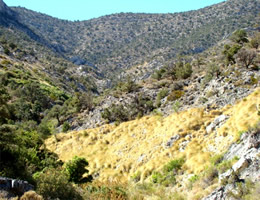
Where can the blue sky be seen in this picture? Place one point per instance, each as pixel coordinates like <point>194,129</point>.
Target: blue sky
<point>87,9</point>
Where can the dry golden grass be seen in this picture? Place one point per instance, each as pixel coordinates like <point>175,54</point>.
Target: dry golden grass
<point>31,195</point>
<point>118,152</point>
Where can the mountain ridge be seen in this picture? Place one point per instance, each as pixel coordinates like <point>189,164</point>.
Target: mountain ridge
<point>119,41</point>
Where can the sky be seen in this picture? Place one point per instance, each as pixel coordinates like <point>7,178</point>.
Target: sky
<point>88,9</point>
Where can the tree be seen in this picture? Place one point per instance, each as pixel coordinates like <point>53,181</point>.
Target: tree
<point>4,111</point>
<point>246,57</point>
<point>255,42</point>
<point>84,101</point>
<point>239,36</point>
<point>229,52</point>
<point>76,168</point>
<point>54,184</point>
<point>56,112</point>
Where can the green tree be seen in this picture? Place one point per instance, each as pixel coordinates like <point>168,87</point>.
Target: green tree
<point>65,126</point>
<point>229,52</point>
<point>239,36</point>
<point>76,168</point>
<point>4,110</point>
<point>54,184</point>
<point>56,112</point>
<point>255,42</point>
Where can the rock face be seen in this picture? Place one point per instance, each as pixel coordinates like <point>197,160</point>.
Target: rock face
<point>14,185</point>
<point>247,167</point>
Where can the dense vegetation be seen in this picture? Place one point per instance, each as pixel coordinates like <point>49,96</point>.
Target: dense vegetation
<point>122,40</point>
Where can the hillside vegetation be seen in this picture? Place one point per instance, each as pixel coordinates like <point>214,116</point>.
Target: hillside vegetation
<point>131,106</point>
<point>119,41</point>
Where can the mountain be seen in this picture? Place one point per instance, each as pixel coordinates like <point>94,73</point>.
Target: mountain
<point>115,42</point>
<point>131,106</point>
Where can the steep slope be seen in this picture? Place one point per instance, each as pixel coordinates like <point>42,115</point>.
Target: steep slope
<point>119,41</point>
<point>145,145</point>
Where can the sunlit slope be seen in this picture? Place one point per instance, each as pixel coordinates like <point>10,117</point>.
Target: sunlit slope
<point>118,152</point>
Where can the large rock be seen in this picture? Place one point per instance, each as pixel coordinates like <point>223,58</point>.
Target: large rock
<point>216,123</point>
<point>14,185</point>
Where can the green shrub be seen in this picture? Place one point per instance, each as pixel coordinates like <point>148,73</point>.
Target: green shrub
<point>157,177</point>
<point>54,184</point>
<point>211,71</point>
<point>115,113</point>
<point>239,36</point>
<point>159,74</point>
<point>103,191</point>
<point>136,177</point>
<point>161,94</point>
<point>76,168</point>
<point>176,106</point>
<point>229,53</point>
<point>65,127</point>
<point>174,95</point>
<point>184,71</point>
<point>173,166</point>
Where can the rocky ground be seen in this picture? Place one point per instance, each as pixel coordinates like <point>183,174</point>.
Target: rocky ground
<point>234,181</point>
<point>234,84</point>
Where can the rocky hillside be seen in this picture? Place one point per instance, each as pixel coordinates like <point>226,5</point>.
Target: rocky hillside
<point>164,126</point>
<point>202,141</point>
<point>115,42</point>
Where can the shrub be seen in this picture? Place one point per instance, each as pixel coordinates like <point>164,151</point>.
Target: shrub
<point>128,86</point>
<point>246,57</point>
<point>157,177</point>
<point>54,184</point>
<point>115,113</point>
<point>31,195</point>
<point>255,42</point>
<point>183,71</point>
<point>161,94</point>
<point>211,71</point>
<point>106,191</point>
<point>173,166</point>
<point>174,95</point>
<point>209,176</point>
<point>239,36</point>
<point>76,168</point>
<point>65,127</point>
<point>136,177</point>
<point>229,52</point>
<point>159,74</point>
<point>176,106</point>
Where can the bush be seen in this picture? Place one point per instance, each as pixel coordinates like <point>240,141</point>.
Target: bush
<point>31,195</point>
<point>211,71</point>
<point>183,71</point>
<point>167,176</point>
<point>76,168</point>
<point>115,113</point>
<point>161,94</point>
<point>65,127</point>
<point>136,177</point>
<point>54,184</point>
<point>173,166</point>
<point>229,52</point>
<point>106,191</point>
<point>255,42</point>
<point>246,57</point>
<point>174,95</point>
<point>239,36</point>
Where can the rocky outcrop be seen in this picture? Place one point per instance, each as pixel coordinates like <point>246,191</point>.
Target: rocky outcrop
<point>246,168</point>
<point>14,185</point>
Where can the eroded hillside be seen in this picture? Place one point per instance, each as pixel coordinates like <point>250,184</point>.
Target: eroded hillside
<point>145,145</point>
